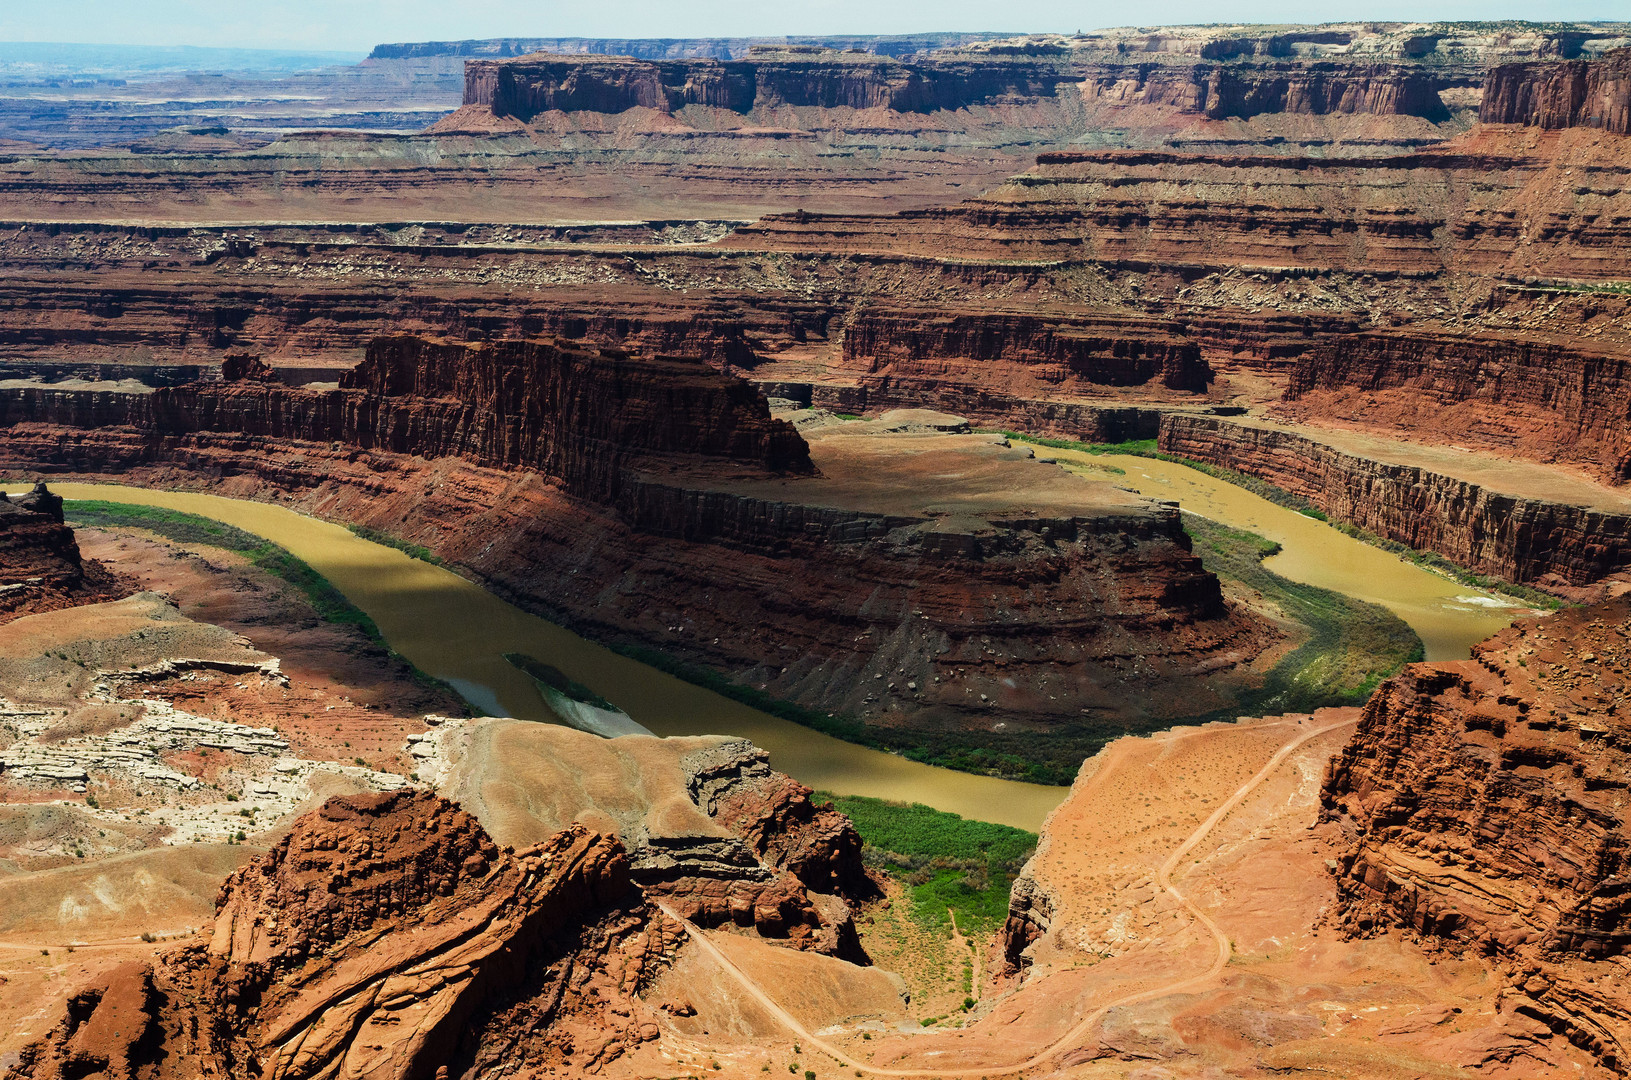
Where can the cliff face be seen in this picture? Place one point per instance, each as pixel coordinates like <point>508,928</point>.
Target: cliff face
<point>1544,399</point>
<point>1303,89</point>
<point>40,564</point>
<point>557,409</point>
<point>526,86</point>
<point>385,936</point>
<point>1576,93</point>
<point>575,415</point>
<point>1485,804</point>
<point>1021,354</point>
<point>1518,539</point>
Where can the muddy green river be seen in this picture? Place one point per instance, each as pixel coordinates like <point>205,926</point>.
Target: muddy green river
<point>1448,616</point>
<point>458,631</point>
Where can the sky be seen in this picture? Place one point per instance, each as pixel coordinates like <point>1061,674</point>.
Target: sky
<point>357,25</point>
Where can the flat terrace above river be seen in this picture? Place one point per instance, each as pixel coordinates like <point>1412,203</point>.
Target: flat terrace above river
<point>1503,475</point>
<point>921,463</point>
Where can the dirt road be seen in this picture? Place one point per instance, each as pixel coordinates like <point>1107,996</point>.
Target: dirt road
<point>1077,1034</point>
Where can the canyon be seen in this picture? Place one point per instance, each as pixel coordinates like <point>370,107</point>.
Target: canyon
<point>744,357</point>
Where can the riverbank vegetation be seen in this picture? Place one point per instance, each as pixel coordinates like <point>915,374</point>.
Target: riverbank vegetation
<point>1351,645</point>
<point>948,865</point>
<point>385,539</point>
<point>329,603</point>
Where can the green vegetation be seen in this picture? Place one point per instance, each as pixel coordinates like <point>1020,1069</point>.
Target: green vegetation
<point>948,863</point>
<point>328,602</point>
<point>1352,645</point>
<point>557,680</point>
<point>1015,756</point>
<point>1136,447</point>
<point>413,551</point>
<point>1279,496</point>
<point>186,528</point>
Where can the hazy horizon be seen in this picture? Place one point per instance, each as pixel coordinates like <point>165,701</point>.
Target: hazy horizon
<point>358,25</point>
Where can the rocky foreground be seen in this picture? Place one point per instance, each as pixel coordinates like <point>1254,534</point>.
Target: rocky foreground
<point>385,936</point>
<point>1483,805</point>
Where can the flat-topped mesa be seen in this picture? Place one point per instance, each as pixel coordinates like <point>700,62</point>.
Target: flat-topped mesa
<point>1574,93</point>
<point>1485,806</point>
<point>525,87</point>
<point>801,77</point>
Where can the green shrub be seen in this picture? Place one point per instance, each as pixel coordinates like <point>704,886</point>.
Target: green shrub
<point>948,863</point>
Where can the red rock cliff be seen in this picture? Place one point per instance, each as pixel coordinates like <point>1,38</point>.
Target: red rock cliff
<point>1485,803</point>
<point>529,85</point>
<point>1548,400</point>
<point>1574,93</point>
<point>578,416</point>
<point>384,936</point>
<point>1023,353</point>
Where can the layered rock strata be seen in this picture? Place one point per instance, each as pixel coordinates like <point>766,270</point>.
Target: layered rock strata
<point>1578,93</point>
<point>1023,354</point>
<point>40,563</point>
<point>384,936</point>
<point>576,415</point>
<point>1544,399</point>
<point>1521,539</point>
<point>527,86</point>
<point>1484,805</point>
<point>1489,203</point>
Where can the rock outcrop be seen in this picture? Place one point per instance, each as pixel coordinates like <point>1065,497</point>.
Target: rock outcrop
<point>1575,93</point>
<point>384,936</point>
<point>1544,399</point>
<point>579,416</point>
<point>1521,539</point>
<point>1484,803</point>
<point>813,877</point>
<point>40,564</point>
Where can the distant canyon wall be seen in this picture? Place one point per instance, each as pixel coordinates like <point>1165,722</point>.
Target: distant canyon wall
<point>525,87</point>
<point>1575,93</point>
<point>1519,539</point>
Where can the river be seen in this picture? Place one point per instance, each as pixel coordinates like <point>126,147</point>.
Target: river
<point>458,631</point>
<point>1448,616</point>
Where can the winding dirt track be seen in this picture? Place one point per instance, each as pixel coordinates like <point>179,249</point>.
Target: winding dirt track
<point>1077,1034</point>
